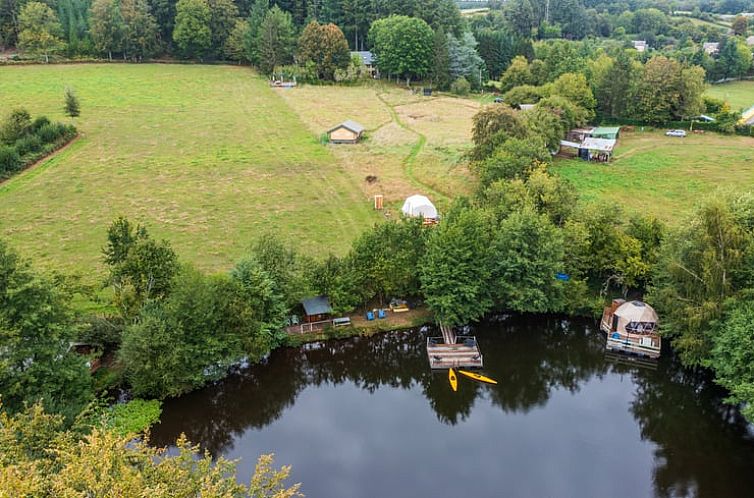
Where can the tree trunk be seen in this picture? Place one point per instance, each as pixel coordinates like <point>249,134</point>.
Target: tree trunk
<point>110,55</point>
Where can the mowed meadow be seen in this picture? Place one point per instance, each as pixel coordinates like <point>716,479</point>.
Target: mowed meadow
<point>664,176</point>
<point>207,157</point>
<point>740,94</point>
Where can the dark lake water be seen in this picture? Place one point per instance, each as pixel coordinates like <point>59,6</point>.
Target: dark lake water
<point>367,418</point>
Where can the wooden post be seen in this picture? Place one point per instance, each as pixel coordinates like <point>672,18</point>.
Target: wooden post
<point>378,202</point>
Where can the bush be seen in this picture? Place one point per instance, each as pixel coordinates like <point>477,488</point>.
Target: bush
<point>15,126</point>
<point>461,86</point>
<point>10,160</point>
<point>50,132</point>
<point>134,417</point>
<point>38,123</point>
<point>28,144</point>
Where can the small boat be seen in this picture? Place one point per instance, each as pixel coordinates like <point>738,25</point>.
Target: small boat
<point>453,379</point>
<point>478,377</point>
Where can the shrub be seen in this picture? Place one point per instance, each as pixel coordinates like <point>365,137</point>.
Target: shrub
<point>461,86</point>
<point>28,145</point>
<point>50,132</point>
<point>134,417</point>
<point>10,161</point>
<point>15,126</point>
<point>38,123</point>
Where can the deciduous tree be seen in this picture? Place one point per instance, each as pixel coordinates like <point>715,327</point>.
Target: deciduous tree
<point>39,30</point>
<point>106,26</point>
<point>326,47</point>
<point>275,40</point>
<point>192,31</point>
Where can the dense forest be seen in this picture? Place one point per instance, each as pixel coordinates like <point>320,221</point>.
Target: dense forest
<point>273,36</point>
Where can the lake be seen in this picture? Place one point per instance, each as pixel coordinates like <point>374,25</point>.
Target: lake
<point>366,417</point>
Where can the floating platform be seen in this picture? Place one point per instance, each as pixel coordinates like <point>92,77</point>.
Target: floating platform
<point>464,353</point>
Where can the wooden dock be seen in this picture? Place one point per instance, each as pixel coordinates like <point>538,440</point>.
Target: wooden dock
<point>463,353</point>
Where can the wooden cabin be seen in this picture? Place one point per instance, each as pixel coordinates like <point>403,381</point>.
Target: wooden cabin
<point>347,132</point>
<point>317,309</point>
<point>631,327</point>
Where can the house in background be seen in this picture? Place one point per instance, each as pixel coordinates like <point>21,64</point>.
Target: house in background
<point>711,48</point>
<point>347,132</point>
<point>367,58</point>
<point>640,45</point>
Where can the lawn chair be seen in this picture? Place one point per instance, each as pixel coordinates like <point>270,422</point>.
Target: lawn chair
<point>381,314</point>
<point>370,315</point>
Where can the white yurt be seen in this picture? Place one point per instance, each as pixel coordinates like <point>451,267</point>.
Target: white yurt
<point>418,205</point>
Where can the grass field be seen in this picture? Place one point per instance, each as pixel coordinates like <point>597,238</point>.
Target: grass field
<point>740,94</point>
<point>413,144</point>
<point>208,157</point>
<point>664,176</point>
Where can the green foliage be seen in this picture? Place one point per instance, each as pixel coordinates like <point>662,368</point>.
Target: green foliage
<point>464,59</point>
<point>107,26</point>
<point>492,126</point>
<point>192,32</point>
<point>196,305</point>
<point>515,158</point>
<point>141,269</point>
<point>574,87</point>
<point>456,271</point>
<point>222,22</point>
<point>35,330</point>
<point>706,262</point>
<point>403,46</point>
<point>133,417</point>
<point>39,30</point>
<point>140,32</point>
<point>235,46</point>
<point>732,355</point>
<point>517,74</point>
<point>275,40</point>
<point>386,260</point>
<point>15,126</point>
<point>525,94</point>
<point>38,457</point>
<point>326,47</point>
<point>528,253</point>
<point>72,107</point>
<point>460,86</point>
<point>440,70</point>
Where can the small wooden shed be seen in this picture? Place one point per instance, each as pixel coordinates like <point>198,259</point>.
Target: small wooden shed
<point>347,132</point>
<point>316,309</point>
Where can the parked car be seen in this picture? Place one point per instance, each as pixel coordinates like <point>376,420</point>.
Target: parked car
<point>675,133</point>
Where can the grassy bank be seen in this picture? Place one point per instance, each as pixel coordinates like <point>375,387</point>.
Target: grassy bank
<point>740,94</point>
<point>664,176</point>
<point>208,157</point>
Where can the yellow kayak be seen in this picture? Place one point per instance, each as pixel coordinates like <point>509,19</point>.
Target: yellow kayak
<point>476,376</point>
<point>453,379</point>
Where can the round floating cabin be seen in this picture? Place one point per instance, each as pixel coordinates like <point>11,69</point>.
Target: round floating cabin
<point>631,327</point>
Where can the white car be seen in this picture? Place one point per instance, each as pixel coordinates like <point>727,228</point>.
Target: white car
<point>675,133</point>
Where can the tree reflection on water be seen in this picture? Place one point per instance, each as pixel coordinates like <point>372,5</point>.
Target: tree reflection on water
<point>701,444</point>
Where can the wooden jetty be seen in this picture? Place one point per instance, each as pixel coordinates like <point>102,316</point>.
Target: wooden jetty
<point>451,351</point>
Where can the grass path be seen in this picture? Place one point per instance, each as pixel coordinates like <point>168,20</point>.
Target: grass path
<point>410,159</point>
